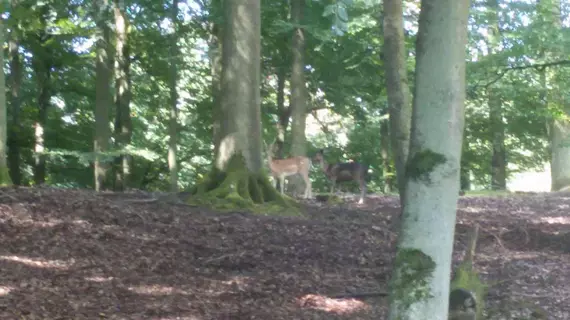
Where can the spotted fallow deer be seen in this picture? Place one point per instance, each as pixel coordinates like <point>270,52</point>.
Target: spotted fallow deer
<point>282,168</point>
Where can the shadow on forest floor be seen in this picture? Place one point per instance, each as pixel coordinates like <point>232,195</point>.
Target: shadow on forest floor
<point>73,254</point>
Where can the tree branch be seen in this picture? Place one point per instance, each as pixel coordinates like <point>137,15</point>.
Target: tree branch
<point>539,67</point>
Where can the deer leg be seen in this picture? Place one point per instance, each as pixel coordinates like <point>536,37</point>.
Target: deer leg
<point>362,190</point>
<point>308,187</point>
<point>333,182</point>
<point>281,182</point>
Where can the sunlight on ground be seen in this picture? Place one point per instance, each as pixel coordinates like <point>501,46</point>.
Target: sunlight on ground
<point>4,291</point>
<point>555,220</point>
<point>337,306</point>
<point>99,279</point>
<point>157,290</point>
<point>40,263</point>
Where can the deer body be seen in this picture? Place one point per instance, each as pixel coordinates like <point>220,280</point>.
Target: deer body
<point>344,171</point>
<point>282,168</point>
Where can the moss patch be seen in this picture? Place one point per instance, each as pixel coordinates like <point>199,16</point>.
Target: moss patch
<point>467,278</point>
<point>422,164</point>
<point>410,284</point>
<point>5,179</point>
<point>239,189</point>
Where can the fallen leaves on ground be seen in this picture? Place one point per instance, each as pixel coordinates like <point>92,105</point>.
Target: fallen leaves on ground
<point>76,254</point>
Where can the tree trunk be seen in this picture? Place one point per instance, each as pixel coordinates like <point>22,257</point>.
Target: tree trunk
<point>420,279</point>
<point>497,126</point>
<point>240,83</point>
<point>15,128</point>
<point>298,90</point>
<point>215,55</point>
<point>237,179</point>
<point>173,123</point>
<point>103,98</point>
<point>41,64</point>
<point>559,128</point>
<point>123,123</point>
<point>4,173</point>
<point>386,166</point>
<point>284,111</point>
<point>400,107</point>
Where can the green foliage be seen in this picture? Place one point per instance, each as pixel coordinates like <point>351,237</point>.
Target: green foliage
<point>344,74</point>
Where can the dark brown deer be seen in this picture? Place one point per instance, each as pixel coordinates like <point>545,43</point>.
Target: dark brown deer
<point>344,171</point>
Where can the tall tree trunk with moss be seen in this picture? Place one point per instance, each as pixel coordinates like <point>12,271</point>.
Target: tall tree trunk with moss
<point>15,127</point>
<point>399,104</point>
<point>298,89</point>
<point>237,179</point>
<point>103,98</point>
<point>559,127</point>
<point>173,80</point>
<point>420,280</point>
<point>5,179</point>
<point>123,123</point>
<point>497,127</point>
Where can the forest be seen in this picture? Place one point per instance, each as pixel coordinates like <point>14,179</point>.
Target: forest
<point>248,159</point>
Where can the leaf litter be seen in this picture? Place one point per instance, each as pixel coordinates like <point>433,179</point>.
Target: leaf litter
<point>78,254</point>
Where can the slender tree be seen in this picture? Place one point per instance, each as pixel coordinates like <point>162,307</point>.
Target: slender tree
<point>123,123</point>
<point>173,120</point>
<point>499,157</point>
<point>103,98</point>
<point>15,127</point>
<point>399,105</point>
<point>4,174</point>
<point>420,279</point>
<point>298,88</point>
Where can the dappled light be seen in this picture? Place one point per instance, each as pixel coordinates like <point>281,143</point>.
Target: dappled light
<point>556,220</point>
<point>157,290</point>
<point>40,263</point>
<point>4,290</point>
<point>337,306</point>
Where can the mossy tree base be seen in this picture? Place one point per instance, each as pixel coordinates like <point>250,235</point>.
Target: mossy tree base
<point>5,179</point>
<point>239,189</point>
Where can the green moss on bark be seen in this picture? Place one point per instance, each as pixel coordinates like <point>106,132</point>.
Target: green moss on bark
<point>5,179</point>
<point>411,281</point>
<point>239,189</point>
<point>422,164</point>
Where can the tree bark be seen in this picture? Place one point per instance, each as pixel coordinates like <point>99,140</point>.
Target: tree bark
<point>559,128</point>
<point>497,125</point>
<point>173,123</point>
<point>4,173</point>
<point>42,65</point>
<point>15,128</point>
<point>215,55</point>
<point>103,98</point>
<point>298,90</point>
<point>399,104</point>
<point>284,112</point>
<point>420,279</point>
<point>240,129</point>
<point>123,123</point>
<point>386,163</point>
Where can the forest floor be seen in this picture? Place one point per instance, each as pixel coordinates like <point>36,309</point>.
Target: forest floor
<point>74,254</point>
